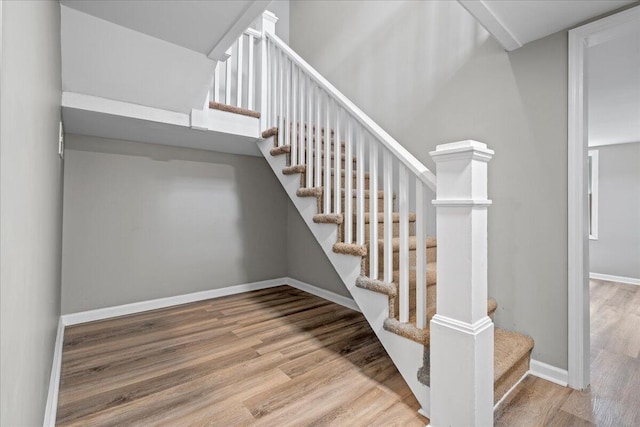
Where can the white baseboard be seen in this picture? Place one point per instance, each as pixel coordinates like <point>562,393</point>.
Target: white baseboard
<point>323,293</point>
<point>549,372</point>
<point>54,380</point>
<point>139,307</point>
<point>610,278</point>
<point>502,399</point>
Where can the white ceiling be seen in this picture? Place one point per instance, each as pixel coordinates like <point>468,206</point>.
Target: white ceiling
<point>613,90</point>
<point>197,25</point>
<point>515,23</point>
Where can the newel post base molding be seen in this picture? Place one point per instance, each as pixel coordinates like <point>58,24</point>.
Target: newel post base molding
<point>461,331</point>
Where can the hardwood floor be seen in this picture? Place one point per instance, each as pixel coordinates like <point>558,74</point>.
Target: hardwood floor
<point>274,357</point>
<point>614,396</point>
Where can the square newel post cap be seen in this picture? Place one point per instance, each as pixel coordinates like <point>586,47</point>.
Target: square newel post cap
<point>462,149</point>
<point>268,22</point>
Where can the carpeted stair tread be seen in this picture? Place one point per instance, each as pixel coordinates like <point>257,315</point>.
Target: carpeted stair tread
<point>339,218</point>
<point>232,109</point>
<point>509,348</point>
<point>269,133</point>
<point>350,249</point>
<point>291,170</point>
<point>328,219</point>
<point>375,285</point>
<point>319,191</point>
<point>432,275</point>
<point>423,336</point>
<point>430,242</point>
<point>283,149</point>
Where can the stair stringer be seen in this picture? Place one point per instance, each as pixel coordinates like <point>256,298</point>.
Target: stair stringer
<point>407,355</point>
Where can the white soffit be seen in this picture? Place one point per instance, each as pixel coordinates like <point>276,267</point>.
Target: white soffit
<point>515,23</point>
<point>197,25</point>
<point>106,118</point>
<point>613,90</point>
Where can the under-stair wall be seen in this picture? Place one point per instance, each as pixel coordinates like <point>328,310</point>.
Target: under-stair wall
<point>146,221</point>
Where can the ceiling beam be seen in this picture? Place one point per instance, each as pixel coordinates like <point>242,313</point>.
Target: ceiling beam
<point>485,16</point>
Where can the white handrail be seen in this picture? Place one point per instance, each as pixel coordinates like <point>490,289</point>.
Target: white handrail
<point>413,164</point>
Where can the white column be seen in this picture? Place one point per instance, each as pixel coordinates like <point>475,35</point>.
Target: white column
<point>461,332</point>
<point>266,25</point>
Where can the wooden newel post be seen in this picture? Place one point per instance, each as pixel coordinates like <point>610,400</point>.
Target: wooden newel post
<point>265,25</point>
<point>461,331</point>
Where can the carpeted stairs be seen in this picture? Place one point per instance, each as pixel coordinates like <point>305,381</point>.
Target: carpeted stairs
<point>512,350</point>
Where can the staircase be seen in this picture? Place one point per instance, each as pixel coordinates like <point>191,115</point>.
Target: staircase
<point>365,199</point>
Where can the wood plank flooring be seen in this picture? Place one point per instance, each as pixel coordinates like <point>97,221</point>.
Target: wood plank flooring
<point>275,357</point>
<point>614,396</point>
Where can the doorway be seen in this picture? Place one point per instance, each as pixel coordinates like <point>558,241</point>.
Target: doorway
<point>582,201</point>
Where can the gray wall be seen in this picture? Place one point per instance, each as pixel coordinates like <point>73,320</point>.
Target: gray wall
<point>306,258</point>
<point>30,206</point>
<point>281,9</point>
<point>429,74</point>
<point>617,250</point>
<point>144,221</point>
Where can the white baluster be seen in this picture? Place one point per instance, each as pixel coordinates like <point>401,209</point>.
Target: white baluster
<point>293,158</point>
<point>403,181</point>
<point>387,177</point>
<point>274,85</point>
<point>287,102</point>
<point>421,258</point>
<point>348,185</point>
<point>373,210</point>
<point>239,71</point>
<point>266,25</point>
<point>327,157</point>
<point>280,90</point>
<point>337,191</point>
<point>250,76</point>
<point>227,79</point>
<point>317,145</point>
<point>309,171</point>
<point>359,186</point>
<point>301,121</point>
<point>216,83</point>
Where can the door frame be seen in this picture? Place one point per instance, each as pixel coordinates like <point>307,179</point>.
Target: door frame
<point>580,39</point>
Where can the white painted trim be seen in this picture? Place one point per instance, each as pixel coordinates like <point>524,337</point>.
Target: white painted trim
<point>502,399</point>
<point>323,293</point>
<point>142,306</point>
<point>485,16</point>
<point>54,381</point>
<point>80,101</point>
<point>409,160</point>
<point>549,372</point>
<point>619,279</point>
<point>252,11</point>
<point>225,122</point>
<point>139,307</point>
<point>595,144</point>
<point>578,241</point>
<point>595,168</point>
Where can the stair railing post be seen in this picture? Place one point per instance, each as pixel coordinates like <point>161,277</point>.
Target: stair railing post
<point>265,25</point>
<point>461,332</point>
